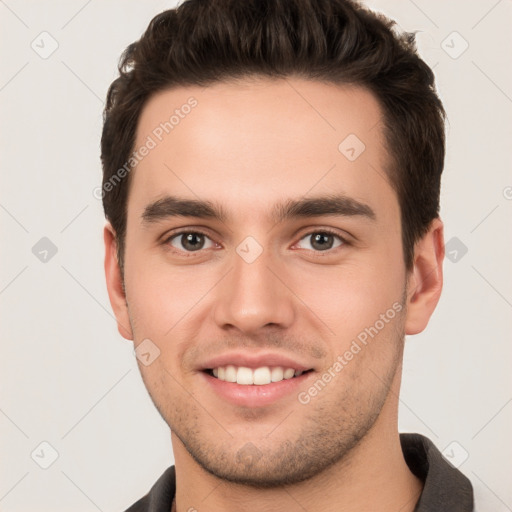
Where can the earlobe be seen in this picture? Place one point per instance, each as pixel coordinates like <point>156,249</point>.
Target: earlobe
<point>115,284</point>
<point>426,278</point>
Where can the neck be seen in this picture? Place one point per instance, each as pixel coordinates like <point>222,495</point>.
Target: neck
<point>372,476</point>
<point>385,484</point>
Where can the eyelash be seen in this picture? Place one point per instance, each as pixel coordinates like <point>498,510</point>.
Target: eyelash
<point>326,231</point>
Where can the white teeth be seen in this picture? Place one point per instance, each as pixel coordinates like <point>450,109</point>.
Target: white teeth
<point>244,376</point>
<point>262,376</point>
<point>277,374</point>
<point>289,373</point>
<point>258,376</point>
<point>230,374</point>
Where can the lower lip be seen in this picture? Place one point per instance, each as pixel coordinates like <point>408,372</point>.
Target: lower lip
<point>255,395</point>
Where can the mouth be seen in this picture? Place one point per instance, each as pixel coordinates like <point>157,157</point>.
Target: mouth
<point>255,379</point>
<point>256,387</point>
<point>261,376</point>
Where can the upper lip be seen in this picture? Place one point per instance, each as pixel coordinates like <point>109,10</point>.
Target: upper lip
<point>253,361</point>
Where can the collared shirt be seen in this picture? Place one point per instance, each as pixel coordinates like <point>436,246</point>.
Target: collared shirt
<point>445,488</point>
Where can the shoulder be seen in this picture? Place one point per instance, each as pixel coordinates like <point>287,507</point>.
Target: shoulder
<point>160,496</point>
<point>445,487</point>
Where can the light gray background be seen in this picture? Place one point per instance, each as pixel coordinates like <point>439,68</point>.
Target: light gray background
<point>68,378</point>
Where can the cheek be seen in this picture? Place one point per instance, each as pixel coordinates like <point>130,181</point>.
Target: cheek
<point>350,297</point>
<point>161,297</point>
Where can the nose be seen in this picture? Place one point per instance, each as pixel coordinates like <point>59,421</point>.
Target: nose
<point>254,295</point>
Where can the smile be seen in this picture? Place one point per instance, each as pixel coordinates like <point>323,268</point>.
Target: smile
<point>261,376</point>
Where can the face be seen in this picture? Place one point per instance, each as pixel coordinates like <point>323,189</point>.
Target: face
<point>264,240</point>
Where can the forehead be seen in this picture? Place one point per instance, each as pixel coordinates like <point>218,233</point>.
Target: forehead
<point>255,141</point>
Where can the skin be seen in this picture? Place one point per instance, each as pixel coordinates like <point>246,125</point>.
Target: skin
<point>248,146</point>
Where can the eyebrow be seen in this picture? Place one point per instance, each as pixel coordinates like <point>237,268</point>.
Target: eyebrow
<point>339,205</point>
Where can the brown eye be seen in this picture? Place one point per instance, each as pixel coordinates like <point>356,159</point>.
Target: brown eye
<point>321,241</point>
<point>190,241</point>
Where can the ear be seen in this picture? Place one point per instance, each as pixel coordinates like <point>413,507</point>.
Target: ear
<point>116,293</point>
<point>425,279</point>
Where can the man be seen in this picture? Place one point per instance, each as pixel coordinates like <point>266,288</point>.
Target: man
<point>271,184</point>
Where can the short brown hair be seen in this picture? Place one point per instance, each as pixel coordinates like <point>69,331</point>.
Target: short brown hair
<point>333,41</point>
